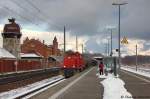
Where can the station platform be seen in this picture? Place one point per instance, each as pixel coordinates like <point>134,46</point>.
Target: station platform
<point>137,85</point>
<point>84,85</point>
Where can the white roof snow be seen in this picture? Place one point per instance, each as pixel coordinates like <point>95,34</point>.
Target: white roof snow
<point>5,54</point>
<point>29,55</point>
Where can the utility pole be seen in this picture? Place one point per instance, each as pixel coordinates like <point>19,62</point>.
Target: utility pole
<point>136,58</point>
<point>64,39</point>
<point>108,47</point>
<point>82,48</point>
<point>119,54</point>
<point>76,43</point>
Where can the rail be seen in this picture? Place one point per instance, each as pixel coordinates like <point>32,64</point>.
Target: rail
<point>30,89</point>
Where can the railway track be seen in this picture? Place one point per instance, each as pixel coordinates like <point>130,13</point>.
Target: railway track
<point>31,90</point>
<point>10,78</point>
<point>17,80</point>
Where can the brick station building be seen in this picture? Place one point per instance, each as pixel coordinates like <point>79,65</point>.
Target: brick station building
<point>38,47</point>
<point>41,49</point>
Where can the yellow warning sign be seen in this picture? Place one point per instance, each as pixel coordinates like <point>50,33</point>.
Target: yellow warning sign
<point>124,40</point>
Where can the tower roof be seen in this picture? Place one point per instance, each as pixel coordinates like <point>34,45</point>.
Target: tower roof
<point>55,39</point>
<point>12,20</point>
<point>12,27</point>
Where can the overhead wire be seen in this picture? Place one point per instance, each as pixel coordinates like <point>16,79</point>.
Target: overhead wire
<point>10,10</point>
<point>41,13</point>
<point>45,17</point>
<point>27,10</point>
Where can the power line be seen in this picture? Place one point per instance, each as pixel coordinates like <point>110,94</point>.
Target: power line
<point>15,2</point>
<point>38,10</point>
<point>41,12</point>
<point>33,5</point>
<point>10,10</point>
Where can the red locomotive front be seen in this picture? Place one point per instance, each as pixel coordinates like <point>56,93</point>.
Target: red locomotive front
<point>73,61</point>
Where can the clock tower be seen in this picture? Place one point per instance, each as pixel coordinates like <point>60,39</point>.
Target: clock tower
<point>11,37</point>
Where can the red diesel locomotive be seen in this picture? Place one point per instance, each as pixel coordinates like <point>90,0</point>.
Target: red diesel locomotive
<point>73,61</point>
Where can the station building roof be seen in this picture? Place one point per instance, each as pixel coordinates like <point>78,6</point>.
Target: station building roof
<point>5,54</point>
<point>29,55</point>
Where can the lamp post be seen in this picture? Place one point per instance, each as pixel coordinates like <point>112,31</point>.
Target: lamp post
<point>119,54</point>
<point>111,53</point>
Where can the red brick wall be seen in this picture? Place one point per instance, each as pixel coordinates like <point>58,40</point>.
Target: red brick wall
<point>23,65</point>
<point>35,46</point>
<point>7,65</point>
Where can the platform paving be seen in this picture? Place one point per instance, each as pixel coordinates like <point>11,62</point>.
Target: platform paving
<point>138,86</point>
<point>87,87</point>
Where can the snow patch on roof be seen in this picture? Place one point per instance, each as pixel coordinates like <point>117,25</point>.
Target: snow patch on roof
<point>5,54</point>
<point>29,55</point>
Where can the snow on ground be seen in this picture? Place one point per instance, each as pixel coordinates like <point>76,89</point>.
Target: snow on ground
<point>19,91</point>
<point>101,76</point>
<point>140,71</point>
<point>114,87</point>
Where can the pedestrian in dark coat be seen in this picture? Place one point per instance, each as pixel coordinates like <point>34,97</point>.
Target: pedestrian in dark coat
<point>101,68</point>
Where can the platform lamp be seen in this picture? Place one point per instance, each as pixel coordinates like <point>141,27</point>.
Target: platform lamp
<point>119,54</point>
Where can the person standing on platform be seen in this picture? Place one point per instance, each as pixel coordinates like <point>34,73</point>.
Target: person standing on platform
<point>101,68</point>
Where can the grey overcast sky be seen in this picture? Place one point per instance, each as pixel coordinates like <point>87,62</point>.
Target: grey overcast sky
<point>85,18</point>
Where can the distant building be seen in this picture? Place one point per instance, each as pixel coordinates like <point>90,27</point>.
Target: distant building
<point>40,48</point>
<point>11,37</point>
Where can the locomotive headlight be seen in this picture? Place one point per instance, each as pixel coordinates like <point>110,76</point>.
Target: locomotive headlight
<point>64,66</point>
<point>73,66</point>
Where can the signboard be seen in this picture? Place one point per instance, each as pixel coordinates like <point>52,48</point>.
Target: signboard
<point>124,40</point>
